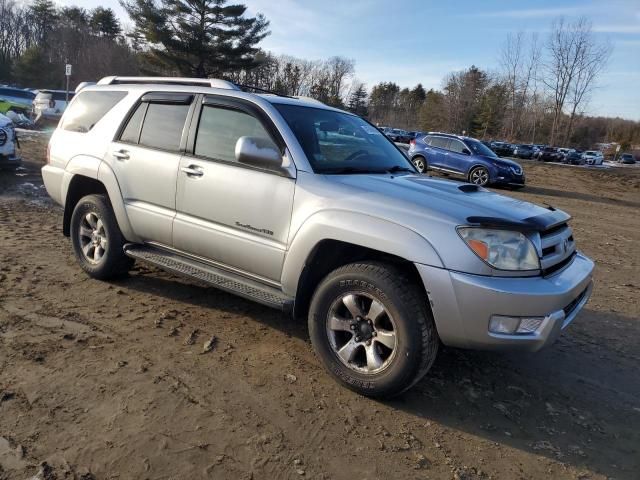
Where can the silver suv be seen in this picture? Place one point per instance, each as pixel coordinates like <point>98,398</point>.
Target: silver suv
<point>264,196</point>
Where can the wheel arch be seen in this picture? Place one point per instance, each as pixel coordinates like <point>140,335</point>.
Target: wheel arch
<point>329,240</point>
<point>94,178</point>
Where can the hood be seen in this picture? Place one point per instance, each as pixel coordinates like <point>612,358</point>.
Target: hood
<point>503,162</point>
<point>414,199</point>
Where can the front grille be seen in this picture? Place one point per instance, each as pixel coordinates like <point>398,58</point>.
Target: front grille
<point>557,248</point>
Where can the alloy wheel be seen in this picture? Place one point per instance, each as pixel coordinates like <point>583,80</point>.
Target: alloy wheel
<point>93,238</point>
<point>480,176</point>
<point>362,333</point>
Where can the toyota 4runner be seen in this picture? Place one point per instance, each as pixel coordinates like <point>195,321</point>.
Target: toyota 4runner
<point>262,195</point>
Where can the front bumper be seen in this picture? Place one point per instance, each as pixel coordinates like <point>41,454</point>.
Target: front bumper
<point>463,304</point>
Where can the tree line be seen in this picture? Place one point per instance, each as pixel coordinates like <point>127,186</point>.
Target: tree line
<point>539,93</point>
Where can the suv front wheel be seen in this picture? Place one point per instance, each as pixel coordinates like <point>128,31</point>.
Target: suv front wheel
<point>97,240</point>
<point>372,329</point>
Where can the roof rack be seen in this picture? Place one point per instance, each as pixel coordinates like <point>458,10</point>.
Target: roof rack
<point>194,82</point>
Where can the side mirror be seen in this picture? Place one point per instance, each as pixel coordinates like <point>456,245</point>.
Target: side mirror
<point>259,152</point>
<point>466,151</point>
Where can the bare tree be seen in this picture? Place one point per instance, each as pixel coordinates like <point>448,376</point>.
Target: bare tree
<point>593,59</point>
<point>570,45</point>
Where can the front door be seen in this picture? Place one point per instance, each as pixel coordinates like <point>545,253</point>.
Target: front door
<point>231,214</point>
<point>145,159</point>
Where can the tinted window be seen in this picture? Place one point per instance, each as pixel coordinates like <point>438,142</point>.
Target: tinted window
<point>440,142</point>
<point>457,146</point>
<point>88,108</point>
<point>219,130</point>
<point>131,132</point>
<point>330,152</point>
<point>163,126</point>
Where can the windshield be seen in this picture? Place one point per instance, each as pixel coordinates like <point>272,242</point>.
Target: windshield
<point>339,143</point>
<point>479,148</point>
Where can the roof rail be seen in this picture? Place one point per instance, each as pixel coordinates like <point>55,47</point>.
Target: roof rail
<point>194,82</point>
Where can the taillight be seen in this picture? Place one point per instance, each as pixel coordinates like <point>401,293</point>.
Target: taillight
<point>412,141</point>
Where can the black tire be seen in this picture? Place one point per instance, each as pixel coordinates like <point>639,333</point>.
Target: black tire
<point>479,176</point>
<point>420,163</point>
<point>404,302</point>
<point>113,262</point>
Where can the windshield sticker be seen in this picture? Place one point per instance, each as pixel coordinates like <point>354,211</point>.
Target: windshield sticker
<point>369,129</point>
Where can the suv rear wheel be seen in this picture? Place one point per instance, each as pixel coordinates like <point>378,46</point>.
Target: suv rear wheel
<point>420,163</point>
<point>97,240</point>
<point>372,329</point>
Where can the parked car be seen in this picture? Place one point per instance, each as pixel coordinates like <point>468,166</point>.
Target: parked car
<point>466,157</point>
<point>502,149</point>
<point>20,97</point>
<point>399,135</point>
<point>240,191</point>
<point>550,154</point>
<point>593,157</point>
<point>565,152</point>
<point>523,151</point>
<point>627,158</point>
<point>414,135</point>
<point>50,103</point>
<point>8,141</point>
<point>574,158</point>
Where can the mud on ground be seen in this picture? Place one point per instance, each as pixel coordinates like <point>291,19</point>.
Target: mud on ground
<point>109,380</point>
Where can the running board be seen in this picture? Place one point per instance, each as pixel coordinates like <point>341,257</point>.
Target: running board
<point>216,277</point>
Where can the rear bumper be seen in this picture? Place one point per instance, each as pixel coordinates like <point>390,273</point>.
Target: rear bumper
<point>463,304</point>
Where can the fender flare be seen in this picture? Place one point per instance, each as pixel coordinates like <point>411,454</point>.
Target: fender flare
<point>96,169</point>
<point>357,229</point>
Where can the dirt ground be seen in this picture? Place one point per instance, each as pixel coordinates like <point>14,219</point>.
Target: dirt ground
<point>109,380</point>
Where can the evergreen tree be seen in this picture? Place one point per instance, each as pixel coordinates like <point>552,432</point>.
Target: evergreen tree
<point>358,100</point>
<point>105,23</point>
<point>199,38</point>
<point>43,17</point>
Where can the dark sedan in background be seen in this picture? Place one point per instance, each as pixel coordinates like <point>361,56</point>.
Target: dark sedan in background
<point>502,149</point>
<point>523,151</point>
<point>550,154</point>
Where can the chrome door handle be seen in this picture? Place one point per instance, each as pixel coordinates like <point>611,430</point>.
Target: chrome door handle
<point>192,171</point>
<point>121,155</point>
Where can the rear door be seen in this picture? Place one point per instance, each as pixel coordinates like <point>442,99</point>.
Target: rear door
<point>145,158</point>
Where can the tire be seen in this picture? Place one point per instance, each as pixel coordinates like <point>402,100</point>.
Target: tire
<point>479,176</point>
<point>402,337</point>
<point>420,163</point>
<point>97,240</point>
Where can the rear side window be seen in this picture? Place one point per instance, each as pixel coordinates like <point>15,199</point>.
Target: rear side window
<point>440,142</point>
<point>88,108</point>
<point>219,130</point>
<point>131,133</point>
<point>163,125</point>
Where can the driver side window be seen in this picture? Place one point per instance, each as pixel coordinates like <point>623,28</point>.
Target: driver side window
<point>220,128</point>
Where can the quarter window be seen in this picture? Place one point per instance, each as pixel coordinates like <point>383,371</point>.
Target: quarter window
<point>163,125</point>
<point>219,130</point>
<point>88,108</point>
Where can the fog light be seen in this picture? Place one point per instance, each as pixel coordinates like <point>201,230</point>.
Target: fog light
<point>500,324</point>
<point>514,325</point>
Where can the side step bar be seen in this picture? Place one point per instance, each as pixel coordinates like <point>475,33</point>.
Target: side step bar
<point>221,279</point>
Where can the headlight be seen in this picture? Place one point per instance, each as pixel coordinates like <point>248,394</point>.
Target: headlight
<point>502,249</point>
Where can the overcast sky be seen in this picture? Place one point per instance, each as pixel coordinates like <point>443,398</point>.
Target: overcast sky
<point>411,41</point>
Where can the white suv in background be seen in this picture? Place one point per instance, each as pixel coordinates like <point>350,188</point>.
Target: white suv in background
<point>50,103</point>
<point>593,157</point>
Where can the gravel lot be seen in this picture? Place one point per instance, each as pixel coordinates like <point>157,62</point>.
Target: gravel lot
<point>109,380</point>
